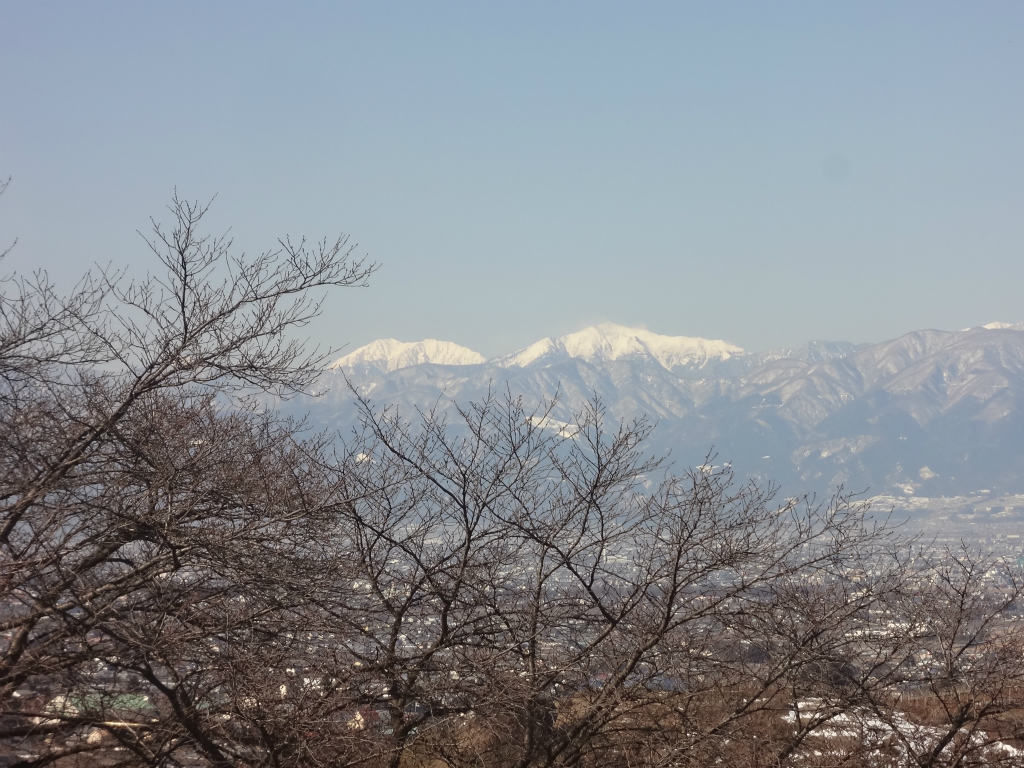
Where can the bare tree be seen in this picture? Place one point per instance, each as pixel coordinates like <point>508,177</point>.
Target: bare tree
<point>541,596</point>
<point>144,527</point>
<point>962,674</point>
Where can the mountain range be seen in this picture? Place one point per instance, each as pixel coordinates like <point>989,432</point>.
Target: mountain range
<point>929,414</point>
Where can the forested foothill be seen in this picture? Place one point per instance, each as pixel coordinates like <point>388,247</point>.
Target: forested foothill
<point>187,578</point>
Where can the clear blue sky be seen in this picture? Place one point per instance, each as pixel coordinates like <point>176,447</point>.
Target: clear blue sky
<point>763,172</point>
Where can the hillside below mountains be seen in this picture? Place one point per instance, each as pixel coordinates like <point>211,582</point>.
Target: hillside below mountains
<point>929,414</point>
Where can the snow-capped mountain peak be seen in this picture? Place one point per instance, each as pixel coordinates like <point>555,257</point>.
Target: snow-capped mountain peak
<point>392,354</point>
<point>1000,326</point>
<point>610,341</point>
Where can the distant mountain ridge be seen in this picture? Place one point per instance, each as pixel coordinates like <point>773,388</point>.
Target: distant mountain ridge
<point>606,341</point>
<point>930,413</point>
<point>609,341</point>
<point>392,354</point>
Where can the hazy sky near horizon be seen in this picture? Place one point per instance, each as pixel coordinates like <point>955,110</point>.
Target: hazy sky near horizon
<point>760,172</point>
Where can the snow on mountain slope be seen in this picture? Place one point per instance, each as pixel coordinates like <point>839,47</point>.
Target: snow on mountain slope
<point>868,415</point>
<point>1001,326</point>
<point>391,354</point>
<point>609,341</point>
